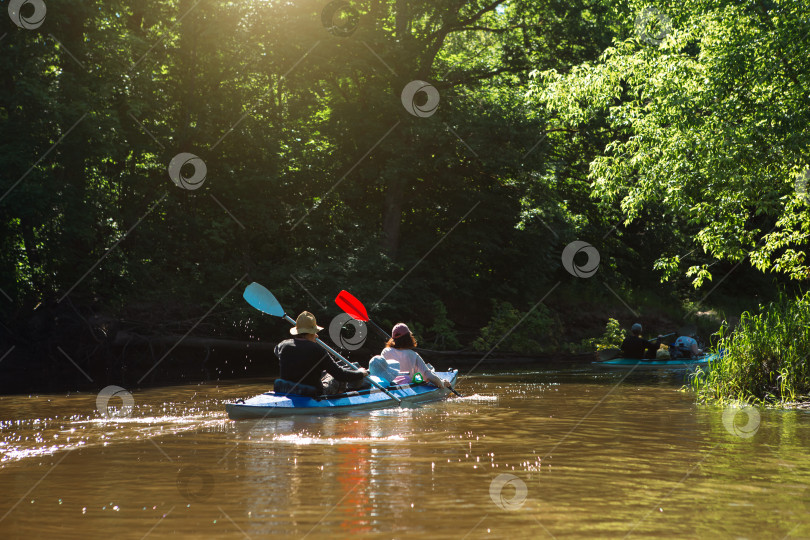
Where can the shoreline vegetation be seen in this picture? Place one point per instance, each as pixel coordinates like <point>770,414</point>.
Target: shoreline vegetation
<point>765,358</point>
<point>82,346</point>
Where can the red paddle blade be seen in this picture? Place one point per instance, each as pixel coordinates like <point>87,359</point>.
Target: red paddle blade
<point>352,306</point>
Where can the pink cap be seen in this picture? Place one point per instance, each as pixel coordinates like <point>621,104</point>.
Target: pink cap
<point>400,329</point>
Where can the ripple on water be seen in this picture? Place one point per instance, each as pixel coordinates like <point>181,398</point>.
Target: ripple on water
<point>478,397</point>
<point>50,432</point>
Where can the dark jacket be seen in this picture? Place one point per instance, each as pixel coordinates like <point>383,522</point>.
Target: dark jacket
<point>636,347</point>
<point>302,361</point>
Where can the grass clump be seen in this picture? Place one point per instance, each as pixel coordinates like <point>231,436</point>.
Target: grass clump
<point>765,359</point>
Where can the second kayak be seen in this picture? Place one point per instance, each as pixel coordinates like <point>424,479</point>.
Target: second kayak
<point>635,363</point>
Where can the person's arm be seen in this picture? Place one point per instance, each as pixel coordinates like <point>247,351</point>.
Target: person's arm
<point>695,350</point>
<point>340,373</point>
<point>428,374</point>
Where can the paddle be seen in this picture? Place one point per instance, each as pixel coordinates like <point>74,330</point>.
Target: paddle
<point>356,310</point>
<point>609,354</point>
<point>260,298</point>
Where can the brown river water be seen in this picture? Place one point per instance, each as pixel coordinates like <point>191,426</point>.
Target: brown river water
<point>569,453</point>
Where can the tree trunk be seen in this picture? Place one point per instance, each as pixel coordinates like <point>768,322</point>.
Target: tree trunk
<point>80,240</point>
<point>392,215</point>
<point>392,209</point>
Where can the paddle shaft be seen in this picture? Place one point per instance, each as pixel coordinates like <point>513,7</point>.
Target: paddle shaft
<point>382,332</point>
<point>355,366</point>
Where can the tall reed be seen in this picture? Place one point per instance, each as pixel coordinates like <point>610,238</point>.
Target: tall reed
<point>766,359</point>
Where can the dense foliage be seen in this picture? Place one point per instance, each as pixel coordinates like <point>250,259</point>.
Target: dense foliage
<point>305,140</point>
<point>707,111</point>
<point>556,121</point>
<point>612,338</point>
<point>530,332</point>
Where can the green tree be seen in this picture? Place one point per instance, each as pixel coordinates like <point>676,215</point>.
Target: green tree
<point>709,119</point>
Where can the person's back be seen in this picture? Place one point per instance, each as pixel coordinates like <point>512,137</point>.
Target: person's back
<point>685,346</point>
<point>410,362</point>
<point>634,347</point>
<point>298,359</point>
<point>302,361</point>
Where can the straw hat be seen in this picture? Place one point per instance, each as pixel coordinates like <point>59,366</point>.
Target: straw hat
<point>305,324</point>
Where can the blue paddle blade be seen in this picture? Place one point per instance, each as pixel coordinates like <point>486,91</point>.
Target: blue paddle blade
<point>263,300</point>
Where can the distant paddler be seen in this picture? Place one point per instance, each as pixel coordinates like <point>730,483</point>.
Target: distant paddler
<point>686,346</point>
<point>634,346</point>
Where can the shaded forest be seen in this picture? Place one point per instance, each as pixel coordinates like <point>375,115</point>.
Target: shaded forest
<point>434,158</point>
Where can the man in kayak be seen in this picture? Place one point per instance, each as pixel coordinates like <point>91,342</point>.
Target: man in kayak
<point>400,349</point>
<point>634,346</point>
<point>302,361</point>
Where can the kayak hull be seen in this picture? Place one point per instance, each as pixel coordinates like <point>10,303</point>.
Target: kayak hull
<point>270,404</point>
<point>636,364</point>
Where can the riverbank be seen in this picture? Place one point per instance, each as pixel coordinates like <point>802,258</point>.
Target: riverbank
<point>209,360</point>
<point>65,347</point>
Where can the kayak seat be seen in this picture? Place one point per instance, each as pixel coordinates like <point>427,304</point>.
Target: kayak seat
<point>283,386</point>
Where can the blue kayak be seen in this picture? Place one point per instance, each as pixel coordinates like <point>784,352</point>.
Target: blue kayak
<point>681,363</point>
<point>271,404</point>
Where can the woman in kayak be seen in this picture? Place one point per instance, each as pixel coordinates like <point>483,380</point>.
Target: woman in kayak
<point>400,349</point>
